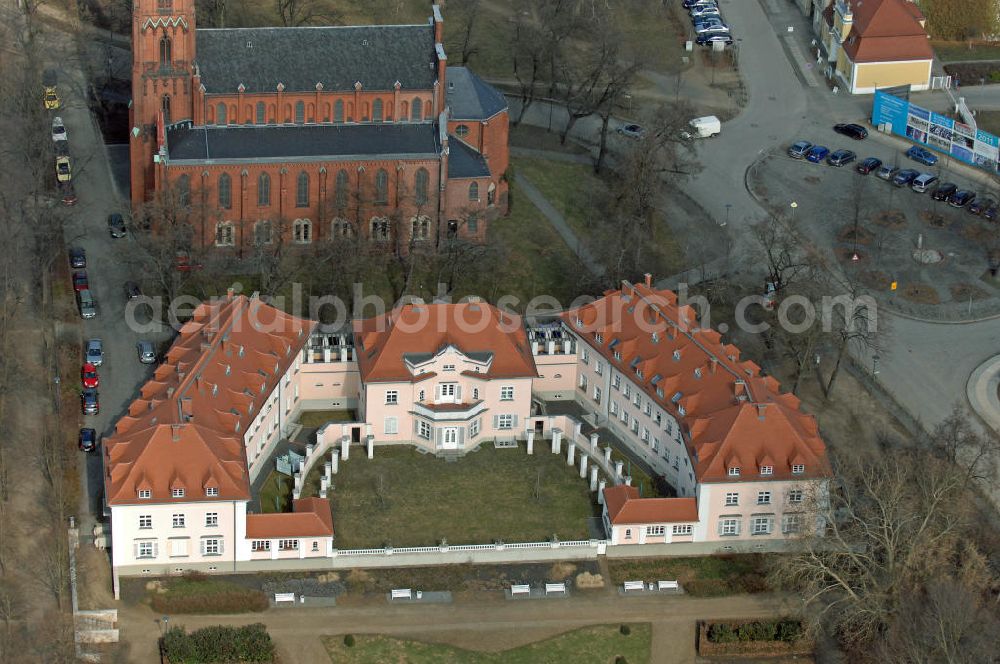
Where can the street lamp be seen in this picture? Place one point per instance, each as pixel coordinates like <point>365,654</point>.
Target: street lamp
<point>729,206</point>
<point>793,205</point>
<point>875,364</point>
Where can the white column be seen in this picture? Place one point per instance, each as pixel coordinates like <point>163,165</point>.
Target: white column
<point>531,441</point>
<point>618,469</point>
<point>345,447</point>
<point>324,483</point>
<point>343,354</point>
<point>326,354</point>
<point>593,441</point>
<point>327,470</point>
<point>334,462</point>
<point>570,454</point>
<point>600,491</point>
<point>556,441</point>
<point>627,480</point>
<point>550,347</point>
<point>593,478</point>
<point>583,465</point>
<point>534,348</point>
<point>607,454</point>
<point>371,446</point>
<point>577,429</point>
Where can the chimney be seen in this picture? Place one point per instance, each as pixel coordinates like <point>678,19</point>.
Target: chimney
<point>760,410</point>
<point>230,293</point>
<point>175,432</point>
<point>713,362</point>
<point>170,392</point>
<point>649,280</point>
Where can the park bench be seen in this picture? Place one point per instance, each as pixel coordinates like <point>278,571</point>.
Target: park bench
<point>667,585</point>
<point>634,585</point>
<point>524,589</point>
<point>551,588</point>
<point>284,597</point>
<point>402,593</point>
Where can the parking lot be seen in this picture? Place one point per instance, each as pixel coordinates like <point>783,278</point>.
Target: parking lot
<point>937,254</point>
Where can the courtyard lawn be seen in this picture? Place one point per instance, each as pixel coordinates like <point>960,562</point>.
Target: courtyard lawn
<point>277,487</point>
<point>403,498</point>
<point>597,644</point>
<point>961,51</point>
<point>706,576</point>
<point>317,418</point>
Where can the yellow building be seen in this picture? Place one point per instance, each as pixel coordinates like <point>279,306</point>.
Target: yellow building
<point>877,44</point>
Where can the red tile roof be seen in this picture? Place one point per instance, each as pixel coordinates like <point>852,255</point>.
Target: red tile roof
<point>186,428</point>
<point>310,517</point>
<point>471,327</point>
<point>887,31</point>
<point>731,414</point>
<point>625,507</point>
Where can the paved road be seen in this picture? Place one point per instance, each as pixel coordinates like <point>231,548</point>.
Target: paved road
<point>296,631</point>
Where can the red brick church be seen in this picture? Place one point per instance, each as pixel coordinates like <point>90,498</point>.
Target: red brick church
<point>313,132</point>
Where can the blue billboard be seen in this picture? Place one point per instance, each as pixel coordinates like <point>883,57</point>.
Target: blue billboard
<point>975,147</point>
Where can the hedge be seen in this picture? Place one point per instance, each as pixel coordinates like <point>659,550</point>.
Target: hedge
<point>762,637</point>
<point>218,645</point>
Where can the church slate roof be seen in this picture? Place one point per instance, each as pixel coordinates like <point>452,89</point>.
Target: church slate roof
<point>288,142</point>
<point>299,58</point>
<point>464,162</point>
<point>472,98</point>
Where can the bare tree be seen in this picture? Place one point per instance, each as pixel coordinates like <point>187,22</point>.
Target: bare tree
<point>466,14</point>
<point>852,320</point>
<point>957,441</point>
<point>786,259</point>
<point>294,13</point>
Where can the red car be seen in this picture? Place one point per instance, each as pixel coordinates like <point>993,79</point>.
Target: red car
<point>88,375</point>
<point>80,281</point>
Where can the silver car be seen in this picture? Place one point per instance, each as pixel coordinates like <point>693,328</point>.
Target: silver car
<point>95,352</point>
<point>147,355</point>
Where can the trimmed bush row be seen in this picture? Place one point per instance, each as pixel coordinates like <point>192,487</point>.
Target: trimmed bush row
<point>235,600</point>
<point>218,644</point>
<point>760,630</point>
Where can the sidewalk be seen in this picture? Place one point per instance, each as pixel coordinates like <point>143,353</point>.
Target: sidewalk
<point>982,391</point>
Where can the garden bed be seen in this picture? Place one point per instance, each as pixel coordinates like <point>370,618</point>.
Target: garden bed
<point>705,576</point>
<point>197,593</point>
<point>754,638</point>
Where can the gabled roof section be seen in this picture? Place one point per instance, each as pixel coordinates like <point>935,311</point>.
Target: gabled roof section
<point>471,98</point>
<point>887,31</point>
<point>625,507</point>
<point>471,327</point>
<point>464,162</point>
<point>729,412</point>
<point>310,517</point>
<point>338,57</point>
<point>256,143</point>
<point>190,418</point>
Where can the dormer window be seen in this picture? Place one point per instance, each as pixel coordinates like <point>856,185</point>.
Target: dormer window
<point>229,369</point>
<point>697,373</point>
<point>448,367</point>
<point>211,491</point>
<point>145,494</point>
<point>767,470</point>
<point>579,321</point>
<point>215,389</point>
<point>618,356</point>
<point>599,338</point>
<point>798,468</point>
<point>677,355</point>
<point>656,338</point>
<point>677,397</point>
<point>177,493</point>
<point>734,471</point>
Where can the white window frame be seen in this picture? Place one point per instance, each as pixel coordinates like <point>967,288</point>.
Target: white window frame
<point>211,519</point>
<point>763,497</point>
<point>585,356</point>
<point>729,527</point>
<point>391,397</point>
<point>616,381</point>
<point>390,426</point>
<point>145,521</point>
<point>583,382</point>
<point>448,367</point>
<point>597,394</point>
<point>599,367</point>
<point>791,524</point>
<point>682,529</point>
<point>260,545</point>
<point>178,521</point>
<point>424,430</point>
<point>211,491</point>
<point>143,544</point>
<point>177,493</point>
<point>211,546</point>
<point>732,499</point>
<point>288,545</point>
<point>656,531</point>
<point>796,495</point>
<point>506,393</point>
<point>798,468</point>
<point>505,421</point>
<point>761,525</point>
<point>474,427</point>
<point>145,494</point>
<point>767,470</point>
<point>734,471</point>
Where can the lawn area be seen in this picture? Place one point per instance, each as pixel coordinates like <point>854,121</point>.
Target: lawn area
<point>404,498</point>
<point>598,644</point>
<point>196,593</point>
<point>965,51</point>
<point>706,576</point>
<point>277,487</point>
<point>989,121</point>
<point>317,418</point>
<point>640,480</point>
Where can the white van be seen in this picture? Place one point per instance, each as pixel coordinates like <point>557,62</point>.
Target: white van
<point>706,126</point>
<point>923,182</point>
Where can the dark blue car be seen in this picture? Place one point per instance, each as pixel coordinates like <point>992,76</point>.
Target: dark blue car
<point>817,153</point>
<point>925,157</point>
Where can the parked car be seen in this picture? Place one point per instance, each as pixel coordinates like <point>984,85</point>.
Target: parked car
<point>923,182</point>
<point>688,4</point>
<point>88,440</point>
<point>704,10</point>
<point>944,190</point>
<point>855,131</point>
<point>817,153</point>
<point>981,205</point>
<point>64,172</point>
<point>80,281</point>
<point>67,193</point>
<point>132,290</point>
<point>886,172</point>
<point>905,177</point>
<point>89,376</point>
<point>116,225</point>
<point>990,213</point>
<point>712,27</point>
<point>868,165</point>
<point>95,352</point>
<point>710,38</point>
<point>85,299</point>
<point>841,157</point>
<point>631,130</point>
<point>799,149</point>
<point>90,402</point>
<point>77,258</point>
<point>925,157</point>
<point>961,198</point>
<point>147,354</point>
<point>51,99</point>
<point>58,129</point>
